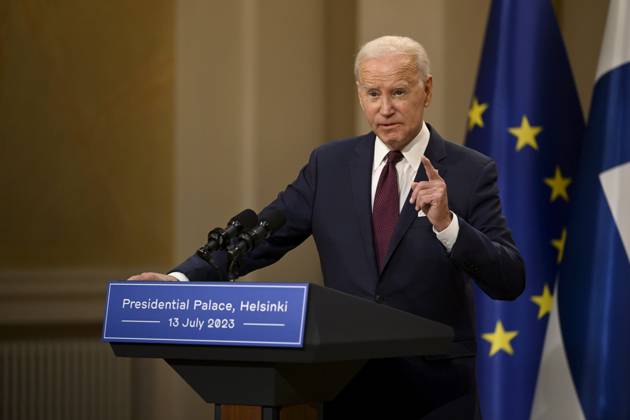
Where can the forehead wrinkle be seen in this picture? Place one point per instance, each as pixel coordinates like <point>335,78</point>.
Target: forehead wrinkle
<point>404,71</point>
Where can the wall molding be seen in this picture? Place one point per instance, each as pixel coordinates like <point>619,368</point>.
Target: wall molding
<point>65,295</point>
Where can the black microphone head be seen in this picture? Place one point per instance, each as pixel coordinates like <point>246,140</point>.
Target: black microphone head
<point>270,220</point>
<point>247,219</point>
<point>273,217</point>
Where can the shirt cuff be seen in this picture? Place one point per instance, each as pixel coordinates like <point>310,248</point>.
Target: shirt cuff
<point>179,276</point>
<point>449,235</point>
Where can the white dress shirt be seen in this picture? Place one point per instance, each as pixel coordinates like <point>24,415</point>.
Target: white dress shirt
<point>406,169</point>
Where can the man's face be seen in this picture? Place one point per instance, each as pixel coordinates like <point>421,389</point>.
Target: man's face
<point>393,98</point>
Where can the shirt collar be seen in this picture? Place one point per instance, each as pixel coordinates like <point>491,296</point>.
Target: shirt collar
<point>412,152</point>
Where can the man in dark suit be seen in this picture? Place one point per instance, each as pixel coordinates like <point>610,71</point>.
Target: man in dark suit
<point>405,218</point>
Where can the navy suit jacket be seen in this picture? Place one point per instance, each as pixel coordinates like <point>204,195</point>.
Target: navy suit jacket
<point>331,199</point>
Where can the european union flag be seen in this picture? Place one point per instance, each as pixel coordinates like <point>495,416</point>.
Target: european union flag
<point>594,285</point>
<point>525,114</point>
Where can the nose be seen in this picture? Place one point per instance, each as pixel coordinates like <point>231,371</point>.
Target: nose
<point>386,109</point>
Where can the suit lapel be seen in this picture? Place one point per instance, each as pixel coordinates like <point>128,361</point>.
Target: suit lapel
<point>436,153</point>
<point>361,176</point>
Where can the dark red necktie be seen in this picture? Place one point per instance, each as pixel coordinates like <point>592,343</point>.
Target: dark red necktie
<point>386,207</point>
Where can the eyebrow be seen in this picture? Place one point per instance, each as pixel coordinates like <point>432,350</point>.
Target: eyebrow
<point>397,85</point>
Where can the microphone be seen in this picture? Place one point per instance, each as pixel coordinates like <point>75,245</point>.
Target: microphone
<point>219,238</point>
<point>270,220</point>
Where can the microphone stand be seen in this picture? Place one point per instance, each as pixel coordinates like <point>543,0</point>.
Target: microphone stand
<point>232,272</point>
<point>204,252</point>
<point>235,253</point>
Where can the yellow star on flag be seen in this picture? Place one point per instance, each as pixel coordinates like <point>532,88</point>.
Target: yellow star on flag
<point>559,244</point>
<point>500,339</point>
<point>475,114</point>
<point>544,302</point>
<point>558,185</point>
<point>525,134</point>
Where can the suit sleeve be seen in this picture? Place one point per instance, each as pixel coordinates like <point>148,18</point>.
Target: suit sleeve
<point>296,203</point>
<point>484,248</point>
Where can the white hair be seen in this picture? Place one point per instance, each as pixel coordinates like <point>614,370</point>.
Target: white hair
<point>389,45</point>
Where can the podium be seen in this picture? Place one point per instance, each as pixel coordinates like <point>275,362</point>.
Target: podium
<point>342,333</point>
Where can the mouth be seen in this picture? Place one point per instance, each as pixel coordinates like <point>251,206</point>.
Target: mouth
<point>387,126</point>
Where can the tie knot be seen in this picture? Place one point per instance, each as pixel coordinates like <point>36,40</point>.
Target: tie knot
<point>393,157</point>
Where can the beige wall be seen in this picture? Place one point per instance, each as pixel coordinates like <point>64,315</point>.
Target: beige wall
<point>582,23</point>
<point>256,91</point>
<point>128,129</point>
<point>86,116</point>
<point>249,109</point>
<point>87,181</point>
<point>86,127</point>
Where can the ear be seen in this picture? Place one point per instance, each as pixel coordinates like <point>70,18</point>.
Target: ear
<point>428,90</point>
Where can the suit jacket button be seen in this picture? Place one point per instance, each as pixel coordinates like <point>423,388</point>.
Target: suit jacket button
<point>379,299</point>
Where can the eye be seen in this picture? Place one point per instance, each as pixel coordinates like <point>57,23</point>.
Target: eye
<point>399,92</point>
<point>373,93</point>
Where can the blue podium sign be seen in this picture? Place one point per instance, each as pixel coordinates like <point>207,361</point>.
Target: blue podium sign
<point>217,313</point>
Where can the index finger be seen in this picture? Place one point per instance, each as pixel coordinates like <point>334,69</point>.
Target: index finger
<point>432,173</point>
